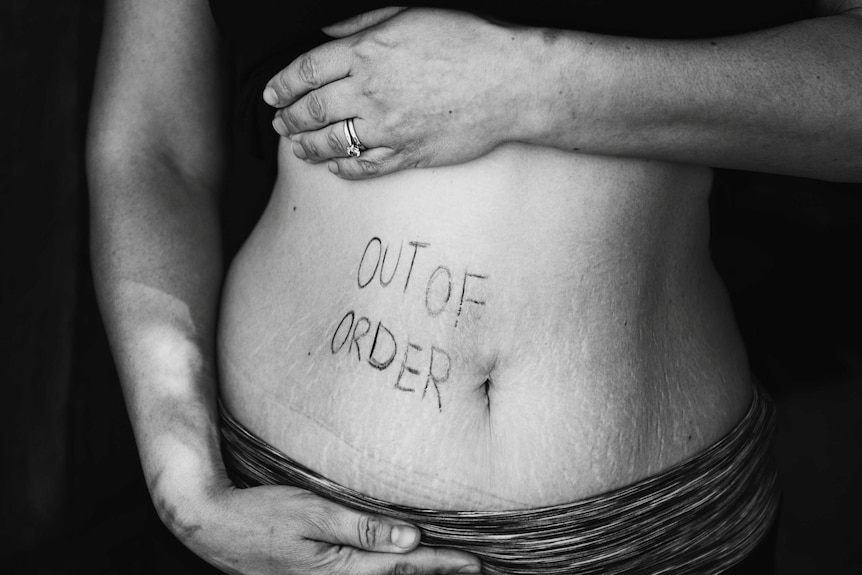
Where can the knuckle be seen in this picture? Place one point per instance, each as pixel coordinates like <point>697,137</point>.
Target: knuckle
<point>307,70</point>
<point>316,108</point>
<point>290,118</point>
<point>368,167</point>
<point>311,148</point>
<point>403,568</point>
<point>284,86</point>
<point>335,140</point>
<point>382,39</point>
<point>370,89</point>
<point>369,531</point>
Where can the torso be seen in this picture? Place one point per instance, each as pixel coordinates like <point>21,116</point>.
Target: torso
<point>553,328</point>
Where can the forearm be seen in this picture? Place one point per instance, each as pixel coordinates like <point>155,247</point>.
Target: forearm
<point>157,268</point>
<point>785,100</point>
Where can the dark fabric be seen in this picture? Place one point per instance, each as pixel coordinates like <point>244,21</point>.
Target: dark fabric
<point>761,561</point>
<point>264,36</point>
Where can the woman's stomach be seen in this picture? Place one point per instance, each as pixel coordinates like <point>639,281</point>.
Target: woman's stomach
<point>530,328</point>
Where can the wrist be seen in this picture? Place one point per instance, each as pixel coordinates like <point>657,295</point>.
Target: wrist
<point>549,110</point>
<point>578,82</point>
<point>516,105</point>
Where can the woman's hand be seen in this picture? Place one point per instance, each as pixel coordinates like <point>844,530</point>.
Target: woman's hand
<point>425,88</point>
<point>286,530</point>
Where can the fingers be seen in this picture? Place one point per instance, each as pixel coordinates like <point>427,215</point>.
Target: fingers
<point>342,526</point>
<point>422,561</point>
<point>357,542</point>
<point>371,164</point>
<point>329,142</point>
<point>273,530</point>
<point>318,108</point>
<point>318,67</point>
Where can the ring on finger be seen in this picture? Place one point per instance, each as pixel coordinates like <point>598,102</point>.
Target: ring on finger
<point>354,146</point>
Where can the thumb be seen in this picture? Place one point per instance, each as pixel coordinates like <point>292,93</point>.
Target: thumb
<point>361,22</point>
<point>342,526</point>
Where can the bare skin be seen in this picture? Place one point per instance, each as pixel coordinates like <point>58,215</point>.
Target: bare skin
<point>156,260</point>
<point>157,145</point>
<point>416,336</point>
<point>783,100</point>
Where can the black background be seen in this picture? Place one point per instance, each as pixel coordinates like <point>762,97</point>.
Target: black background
<point>72,496</point>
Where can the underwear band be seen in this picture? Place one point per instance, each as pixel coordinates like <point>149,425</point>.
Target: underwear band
<point>702,515</point>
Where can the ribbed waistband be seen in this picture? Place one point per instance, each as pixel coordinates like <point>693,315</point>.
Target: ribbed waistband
<point>701,516</point>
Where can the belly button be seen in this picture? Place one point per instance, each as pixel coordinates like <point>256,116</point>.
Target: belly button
<point>485,390</point>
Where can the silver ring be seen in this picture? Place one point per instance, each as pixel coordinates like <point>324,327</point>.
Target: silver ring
<point>354,146</point>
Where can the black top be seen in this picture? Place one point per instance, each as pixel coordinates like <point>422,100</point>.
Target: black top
<point>264,36</point>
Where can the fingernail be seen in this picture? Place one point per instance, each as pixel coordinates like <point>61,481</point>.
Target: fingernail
<point>270,96</point>
<point>471,568</point>
<point>279,126</point>
<point>299,151</point>
<point>404,536</point>
<point>333,167</point>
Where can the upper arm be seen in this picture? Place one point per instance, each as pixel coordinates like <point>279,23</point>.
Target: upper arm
<point>836,7</point>
<point>159,92</point>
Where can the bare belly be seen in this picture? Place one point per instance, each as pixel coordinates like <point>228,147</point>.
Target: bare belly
<point>527,329</point>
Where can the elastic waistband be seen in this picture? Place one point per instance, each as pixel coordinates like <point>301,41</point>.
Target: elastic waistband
<point>702,515</point>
